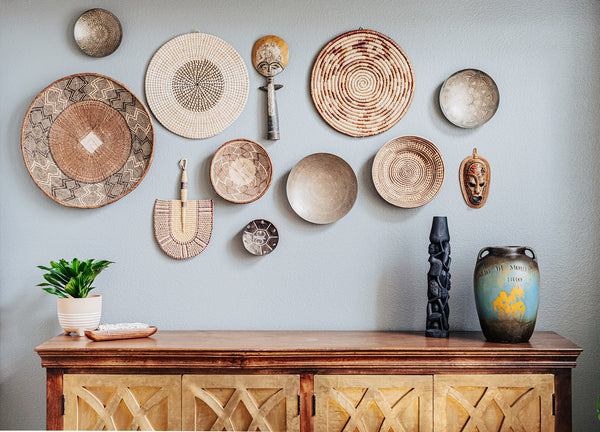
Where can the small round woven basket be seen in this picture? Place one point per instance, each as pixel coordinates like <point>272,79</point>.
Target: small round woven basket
<point>87,140</point>
<point>362,83</point>
<point>241,171</point>
<point>408,171</point>
<point>196,85</point>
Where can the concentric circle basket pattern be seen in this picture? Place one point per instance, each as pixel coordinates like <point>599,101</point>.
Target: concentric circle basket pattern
<point>196,85</point>
<point>87,141</point>
<point>241,171</point>
<point>362,83</point>
<point>408,171</point>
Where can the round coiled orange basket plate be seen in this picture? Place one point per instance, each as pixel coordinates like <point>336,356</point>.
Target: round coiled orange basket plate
<point>362,83</point>
<point>408,171</point>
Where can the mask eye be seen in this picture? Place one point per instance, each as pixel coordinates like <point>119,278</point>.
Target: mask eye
<point>482,184</point>
<point>471,184</point>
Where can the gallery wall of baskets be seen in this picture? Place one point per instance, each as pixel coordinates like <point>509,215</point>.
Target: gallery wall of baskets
<point>88,141</point>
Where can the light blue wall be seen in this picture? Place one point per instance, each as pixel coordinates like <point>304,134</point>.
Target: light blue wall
<point>366,271</point>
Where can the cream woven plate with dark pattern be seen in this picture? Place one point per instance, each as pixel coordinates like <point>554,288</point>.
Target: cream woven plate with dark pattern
<point>196,85</point>
<point>362,83</point>
<point>408,171</point>
<point>87,141</point>
<point>241,171</point>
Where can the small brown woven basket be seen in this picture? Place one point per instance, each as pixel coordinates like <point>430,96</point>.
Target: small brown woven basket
<point>408,171</point>
<point>87,141</point>
<point>241,171</point>
<point>362,83</point>
<point>196,85</point>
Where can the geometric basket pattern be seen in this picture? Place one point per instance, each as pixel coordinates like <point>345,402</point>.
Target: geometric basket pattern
<point>240,402</point>
<point>494,403</point>
<point>122,402</point>
<point>87,140</point>
<point>371,403</point>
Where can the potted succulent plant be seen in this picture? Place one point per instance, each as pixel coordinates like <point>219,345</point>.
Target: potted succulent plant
<point>72,282</point>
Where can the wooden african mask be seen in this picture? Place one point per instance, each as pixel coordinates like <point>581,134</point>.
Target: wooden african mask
<point>475,180</point>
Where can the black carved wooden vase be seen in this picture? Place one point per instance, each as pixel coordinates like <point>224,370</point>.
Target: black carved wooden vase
<point>438,279</point>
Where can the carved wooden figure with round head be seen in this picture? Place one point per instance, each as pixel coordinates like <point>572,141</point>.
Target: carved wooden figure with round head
<point>475,180</point>
<point>270,56</point>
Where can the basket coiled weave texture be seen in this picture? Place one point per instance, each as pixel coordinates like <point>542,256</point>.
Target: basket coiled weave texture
<point>408,171</point>
<point>362,83</point>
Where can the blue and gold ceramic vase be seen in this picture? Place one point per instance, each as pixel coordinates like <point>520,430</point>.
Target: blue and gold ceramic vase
<point>507,292</point>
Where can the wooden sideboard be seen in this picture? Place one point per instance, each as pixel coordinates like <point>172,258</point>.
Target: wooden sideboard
<point>304,381</point>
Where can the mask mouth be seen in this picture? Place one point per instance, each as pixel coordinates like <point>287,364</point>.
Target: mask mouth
<point>476,199</point>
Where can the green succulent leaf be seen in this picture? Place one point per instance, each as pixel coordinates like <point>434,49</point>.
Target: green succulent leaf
<point>75,278</point>
<point>55,292</point>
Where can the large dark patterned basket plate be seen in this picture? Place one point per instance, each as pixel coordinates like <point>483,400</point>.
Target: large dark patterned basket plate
<point>87,140</point>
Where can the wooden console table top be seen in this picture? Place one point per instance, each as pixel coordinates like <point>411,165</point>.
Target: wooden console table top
<point>313,349</point>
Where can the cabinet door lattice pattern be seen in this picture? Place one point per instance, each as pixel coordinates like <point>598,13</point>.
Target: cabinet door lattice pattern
<point>373,403</point>
<point>241,402</point>
<point>122,402</point>
<point>494,403</point>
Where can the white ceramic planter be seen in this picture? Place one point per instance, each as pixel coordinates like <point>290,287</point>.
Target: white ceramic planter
<point>79,314</point>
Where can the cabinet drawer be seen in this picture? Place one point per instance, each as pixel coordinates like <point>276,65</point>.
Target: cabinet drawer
<point>122,402</point>
<point>241,402</point>
<point>493,402</point>
<point>373,403</point>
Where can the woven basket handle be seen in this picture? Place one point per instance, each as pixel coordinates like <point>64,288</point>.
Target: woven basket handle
<point>184,191</point>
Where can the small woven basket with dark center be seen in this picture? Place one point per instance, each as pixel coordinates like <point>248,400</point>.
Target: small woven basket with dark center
<point>196,85</point>
<point>362,83</point>
<point>87,141</point>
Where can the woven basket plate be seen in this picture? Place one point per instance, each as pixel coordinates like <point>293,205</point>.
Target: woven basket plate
<point>362,83</point>
<point>196,85</point>
<point>408,171</point>
<point>241,171</point>
<point>87,141</point>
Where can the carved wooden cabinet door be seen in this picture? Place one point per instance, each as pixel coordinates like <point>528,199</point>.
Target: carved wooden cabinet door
<point>122,402</point>
<point>493,403</point>
<point>373,403</point>
<point>241,403</point>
